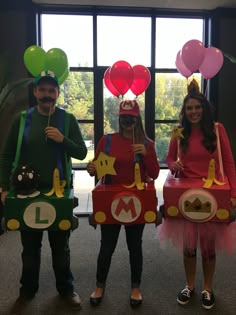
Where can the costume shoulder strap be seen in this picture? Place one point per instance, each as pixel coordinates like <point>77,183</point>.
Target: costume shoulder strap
<point>108,143</point>
<point>219,150</point>
<point>64,126</point>
<point>107,178</point>
<point>20,137</point>
<point>63,121</point>
<point>67,123</point>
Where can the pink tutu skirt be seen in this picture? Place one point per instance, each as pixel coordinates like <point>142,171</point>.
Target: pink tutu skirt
<point>208,236</point>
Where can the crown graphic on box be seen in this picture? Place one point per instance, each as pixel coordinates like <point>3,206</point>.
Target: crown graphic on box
<point>197,206</point>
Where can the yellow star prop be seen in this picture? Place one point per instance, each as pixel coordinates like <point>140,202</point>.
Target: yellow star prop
<point>57,185</point>
<point>105,165</point>
<point>177,133</point>
<point>211,176</point>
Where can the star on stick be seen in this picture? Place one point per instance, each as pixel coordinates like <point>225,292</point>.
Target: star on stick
<point>105,165</point>
<point>176,133</point>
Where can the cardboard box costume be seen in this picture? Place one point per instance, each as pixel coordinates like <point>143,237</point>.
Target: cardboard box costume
<point>120,204</point>
<point>198,200</point>
<point>187,198</point>
<point>44,210</point>
<point>115,204</point>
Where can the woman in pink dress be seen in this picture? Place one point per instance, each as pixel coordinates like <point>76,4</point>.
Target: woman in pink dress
<point>189,157</point>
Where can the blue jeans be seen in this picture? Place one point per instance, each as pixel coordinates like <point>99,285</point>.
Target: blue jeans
<point>31,257</point>
<point>109,238</point>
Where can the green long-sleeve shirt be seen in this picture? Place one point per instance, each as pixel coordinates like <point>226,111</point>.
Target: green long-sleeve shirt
<point>39,151</point>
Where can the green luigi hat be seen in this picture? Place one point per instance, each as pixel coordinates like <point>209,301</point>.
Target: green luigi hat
<point>46,77</point>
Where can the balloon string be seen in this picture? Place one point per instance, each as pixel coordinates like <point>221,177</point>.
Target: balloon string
<point>178,150</point>
<point>206,88</point>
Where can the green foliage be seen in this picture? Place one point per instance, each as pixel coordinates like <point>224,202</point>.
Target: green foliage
<point>170,92</point>
<point>77,97</point>
<point>111,109</point>
<point>77,94</point>
<point>161,149</point>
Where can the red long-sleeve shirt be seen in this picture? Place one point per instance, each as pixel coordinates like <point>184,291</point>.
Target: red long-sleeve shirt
<point>196,158</point>
<point>121,149</point>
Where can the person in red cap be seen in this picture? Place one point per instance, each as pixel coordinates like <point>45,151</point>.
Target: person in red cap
<point>129,142</point>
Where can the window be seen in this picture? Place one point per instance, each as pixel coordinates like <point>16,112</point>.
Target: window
<point>93,42</point>
<point>124,38</point>
<point>171,87</point>
<point>71,33</point>
<point>171,35</point>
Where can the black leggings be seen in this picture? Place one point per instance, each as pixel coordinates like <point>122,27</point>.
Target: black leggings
<point>109,238</point>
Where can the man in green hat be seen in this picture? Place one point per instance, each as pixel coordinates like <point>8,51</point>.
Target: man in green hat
<point>39,148</point>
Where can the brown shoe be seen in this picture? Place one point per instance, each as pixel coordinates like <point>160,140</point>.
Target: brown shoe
<point>20,305</point>
<point>73,300</point>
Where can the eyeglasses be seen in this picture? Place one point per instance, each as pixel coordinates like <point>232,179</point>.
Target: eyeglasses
<point>196,107</point>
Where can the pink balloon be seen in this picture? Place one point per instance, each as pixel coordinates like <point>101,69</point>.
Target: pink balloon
<point>109,85</point>
<point>180,66</point>
<point>121,75</point>
<point>192,54</point>
<point>141,79</point>
<point>212,62</point>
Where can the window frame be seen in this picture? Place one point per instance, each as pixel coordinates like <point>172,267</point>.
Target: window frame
<point>98,71</point>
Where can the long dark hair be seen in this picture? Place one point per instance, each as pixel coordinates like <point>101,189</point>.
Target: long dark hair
<point>206,123</point>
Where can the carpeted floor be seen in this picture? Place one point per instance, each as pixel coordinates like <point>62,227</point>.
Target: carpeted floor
<point>163,277</point>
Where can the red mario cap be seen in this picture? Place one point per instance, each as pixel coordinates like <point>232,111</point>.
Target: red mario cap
<point>129,108</point>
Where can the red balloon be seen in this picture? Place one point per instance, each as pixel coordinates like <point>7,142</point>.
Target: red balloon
<point>121,75</point>
<point>108,84</point>
<point>142,78</point>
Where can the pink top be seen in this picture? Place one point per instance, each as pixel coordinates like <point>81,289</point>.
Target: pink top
<point>121,149</point>
<point>196,159</point>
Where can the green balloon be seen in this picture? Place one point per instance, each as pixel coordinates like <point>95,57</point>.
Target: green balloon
<point>63,77</point>
<point>34,60</point>
<point>56,61</point>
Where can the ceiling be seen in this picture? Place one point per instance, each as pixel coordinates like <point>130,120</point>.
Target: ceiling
<point>171,4</point>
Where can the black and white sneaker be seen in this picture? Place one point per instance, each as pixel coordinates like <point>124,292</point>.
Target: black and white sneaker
<point>184,295</point>
<point>208,299</point>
